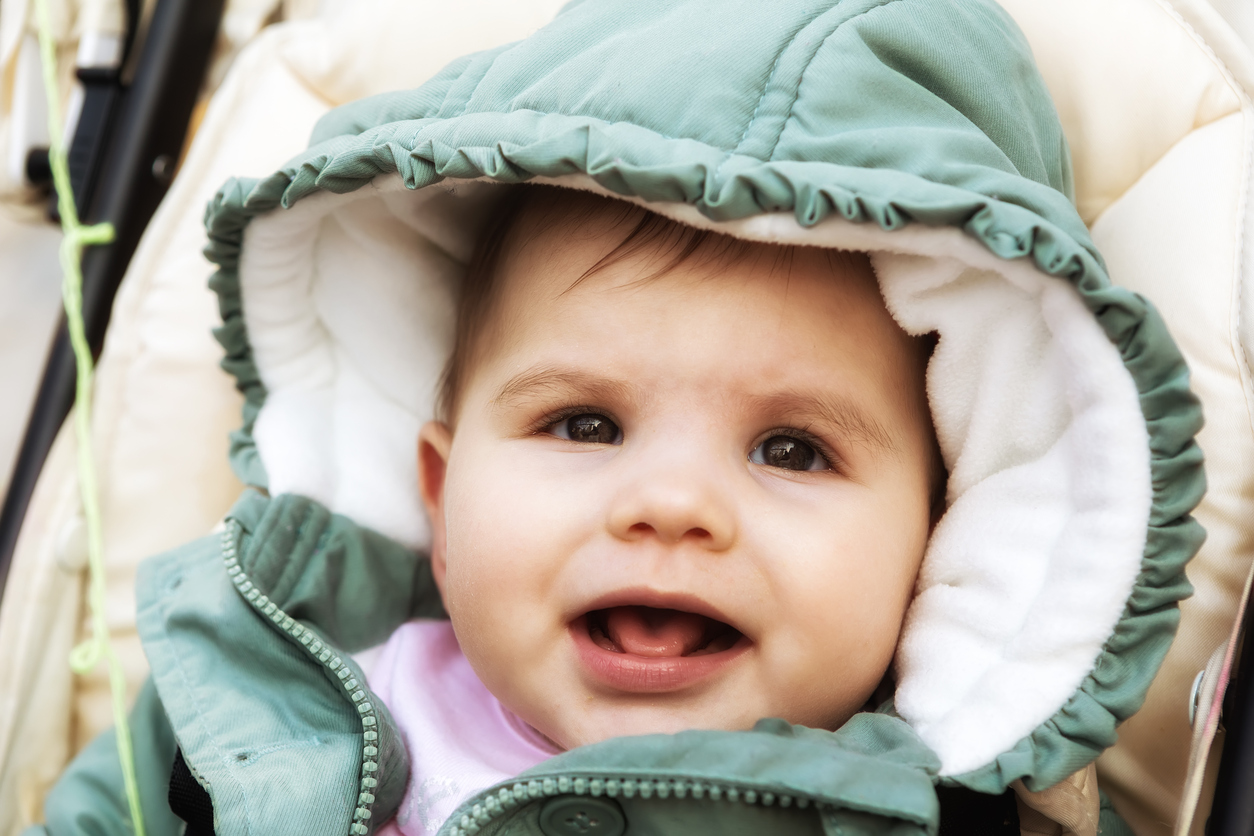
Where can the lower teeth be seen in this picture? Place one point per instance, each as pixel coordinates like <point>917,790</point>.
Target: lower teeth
<point>597,634</point>
<point>722,641</point>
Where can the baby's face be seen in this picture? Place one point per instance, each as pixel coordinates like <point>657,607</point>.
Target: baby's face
<point>686,502</point>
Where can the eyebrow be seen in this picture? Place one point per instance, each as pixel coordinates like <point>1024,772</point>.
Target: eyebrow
<point>845,415</point>
<point>554,380</point>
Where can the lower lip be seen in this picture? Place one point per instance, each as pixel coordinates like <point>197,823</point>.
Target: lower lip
<point>648,674</point>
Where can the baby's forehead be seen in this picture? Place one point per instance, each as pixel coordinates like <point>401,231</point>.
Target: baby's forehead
<point>763,311</point>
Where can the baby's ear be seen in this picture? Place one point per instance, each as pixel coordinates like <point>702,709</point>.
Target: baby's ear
<point>434,442</point>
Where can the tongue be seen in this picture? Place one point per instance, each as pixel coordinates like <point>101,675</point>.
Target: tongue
<point>648,631</point>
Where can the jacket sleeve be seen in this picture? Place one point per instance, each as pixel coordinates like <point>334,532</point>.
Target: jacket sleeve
<point>89,798</point>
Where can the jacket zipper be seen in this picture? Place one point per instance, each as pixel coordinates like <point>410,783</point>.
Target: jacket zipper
<point>508,798</point>
<point>329,659</point>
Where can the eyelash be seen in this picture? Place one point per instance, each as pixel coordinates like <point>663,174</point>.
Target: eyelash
<point>834,462</point>
<point>568,412</point>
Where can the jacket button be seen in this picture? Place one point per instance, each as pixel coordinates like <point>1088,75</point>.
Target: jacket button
<point>581,816</point>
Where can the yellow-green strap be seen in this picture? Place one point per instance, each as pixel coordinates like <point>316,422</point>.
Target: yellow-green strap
<point>87,655</point>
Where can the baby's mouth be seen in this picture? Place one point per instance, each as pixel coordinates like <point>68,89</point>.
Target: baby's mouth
<point>657,632</point>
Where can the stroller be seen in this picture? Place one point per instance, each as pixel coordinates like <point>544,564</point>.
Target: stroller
<point>1166,129</point>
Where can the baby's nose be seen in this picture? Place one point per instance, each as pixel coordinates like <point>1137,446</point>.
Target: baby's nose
<point>675,508</point>
<point>670,534</point>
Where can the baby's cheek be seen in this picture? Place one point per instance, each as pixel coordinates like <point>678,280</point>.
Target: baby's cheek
<point>502,546</point>
<point>849,584</point>
<point>484,508</point>
<point>500,571</point>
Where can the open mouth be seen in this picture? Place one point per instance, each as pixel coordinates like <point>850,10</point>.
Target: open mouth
<point>653,649</point>
<point>652,631</point>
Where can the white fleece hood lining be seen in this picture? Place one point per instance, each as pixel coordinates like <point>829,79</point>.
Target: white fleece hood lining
<point>348,300</point>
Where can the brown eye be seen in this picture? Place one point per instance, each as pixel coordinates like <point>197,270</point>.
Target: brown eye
<point>588,427</point>
<point>788,453</point>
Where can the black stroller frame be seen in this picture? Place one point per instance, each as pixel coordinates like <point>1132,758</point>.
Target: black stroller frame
<point>123,156</point>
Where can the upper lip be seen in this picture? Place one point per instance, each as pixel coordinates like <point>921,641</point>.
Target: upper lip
<point>646,597</point>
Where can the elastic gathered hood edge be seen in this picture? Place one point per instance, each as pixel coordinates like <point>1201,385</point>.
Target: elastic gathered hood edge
<point>1021,221</point>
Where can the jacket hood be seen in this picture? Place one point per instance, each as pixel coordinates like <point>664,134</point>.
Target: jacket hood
<point>916,130</point>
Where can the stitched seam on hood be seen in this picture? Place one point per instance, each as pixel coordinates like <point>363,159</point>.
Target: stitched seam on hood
<point>766,86</point>
<point>801,78</point>
<point>466,102</point>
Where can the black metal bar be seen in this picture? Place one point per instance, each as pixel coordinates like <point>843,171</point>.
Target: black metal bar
<point>102,94</point>
<point>135,172</point>
<point>1232,810</point>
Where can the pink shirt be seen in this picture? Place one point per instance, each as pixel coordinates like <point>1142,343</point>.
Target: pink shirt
<point>460,738</point>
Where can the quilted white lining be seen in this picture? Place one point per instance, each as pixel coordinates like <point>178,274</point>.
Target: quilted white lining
<point>348,303</point>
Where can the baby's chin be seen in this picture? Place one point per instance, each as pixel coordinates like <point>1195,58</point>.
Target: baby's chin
<point>605,724</point>
<point>609,721</point>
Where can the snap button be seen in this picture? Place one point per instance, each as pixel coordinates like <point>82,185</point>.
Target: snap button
<point>582,816</point>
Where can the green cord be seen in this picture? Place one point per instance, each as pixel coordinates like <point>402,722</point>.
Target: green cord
<point>87,655</point>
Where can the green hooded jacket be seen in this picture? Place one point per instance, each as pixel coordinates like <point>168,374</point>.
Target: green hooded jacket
<point>916,130</point>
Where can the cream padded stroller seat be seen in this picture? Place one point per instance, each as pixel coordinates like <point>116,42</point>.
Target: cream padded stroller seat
<point>1153,99</point>
<point>1161,138</point>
